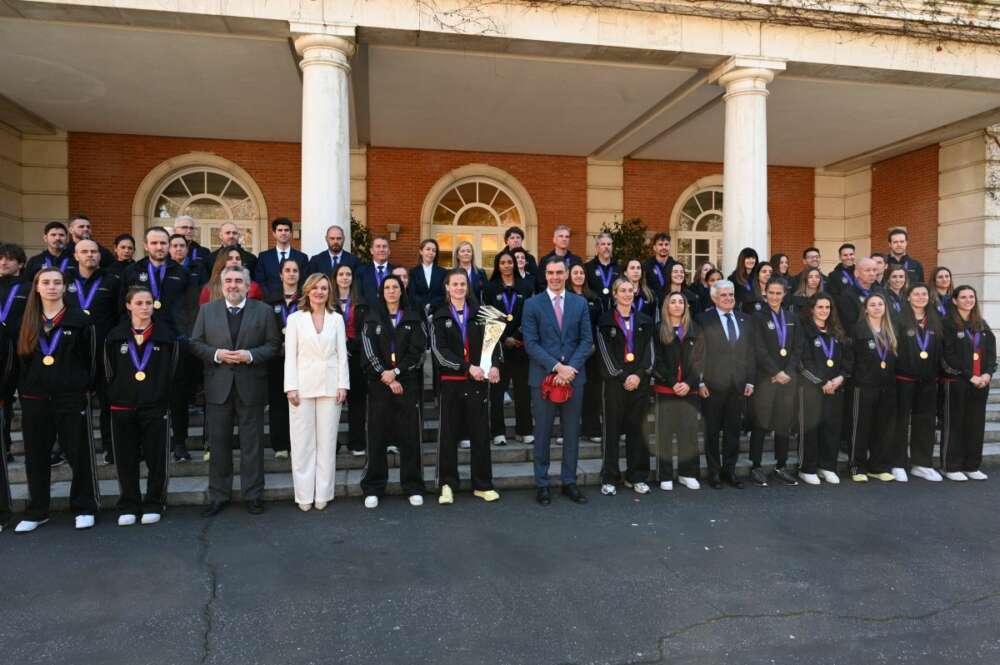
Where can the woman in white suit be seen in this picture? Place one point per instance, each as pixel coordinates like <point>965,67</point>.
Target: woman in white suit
<point>316,382</point>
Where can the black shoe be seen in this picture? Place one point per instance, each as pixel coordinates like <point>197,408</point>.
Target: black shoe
<point>255,507</point>
<point>782,475</point>
<point>573,493</point>
<point>109,458</point>
<point>57,459</point>
<point>215,508</point>
<point>543,497</point>
<point>10,457</point>
<point>729,477</point>
<point>758,477</point>
<point>714,482</point>
<point>181,455</point>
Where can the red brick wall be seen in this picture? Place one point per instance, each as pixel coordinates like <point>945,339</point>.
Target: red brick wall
<point>653,187</point>
<point>400,178</point>
<point>905,193</point>
<point>105,171</point>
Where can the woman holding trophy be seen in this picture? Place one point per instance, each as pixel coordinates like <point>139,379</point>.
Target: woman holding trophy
<point>467,352</point>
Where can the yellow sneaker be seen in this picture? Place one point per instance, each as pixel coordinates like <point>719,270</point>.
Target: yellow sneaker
<point>207,456</point>
<point>446,498</point>
<point>884,477</point>
<point>487,495</point>
<point>859,478</point>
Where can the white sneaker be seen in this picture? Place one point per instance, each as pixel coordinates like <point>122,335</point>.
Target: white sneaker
<point>499,440</point>
<point>371,502</point>
<point>527,438</point>
<point>595,439</point>
<point>640,488</point>
<point>957,476</point>
<point>85,521</point>
<point>124,520</point>
<point>689,482</point>
<point>358,453</point>
<point>608,490</point>
<point>27,526</point>
<point>666,485</point>
<point>899,474</point>
<point>559,440</point>
<point>465,444</point>
<point>926,473</point>
<point>809,478</point>
<point>392,449</point>
<point>281,454</point>
<point>976,475</point>
<point>416,500</point>
<point>829,476</point>
<point>150,518</point>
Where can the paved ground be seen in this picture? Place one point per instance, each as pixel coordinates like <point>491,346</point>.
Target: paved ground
<point>872,574</point>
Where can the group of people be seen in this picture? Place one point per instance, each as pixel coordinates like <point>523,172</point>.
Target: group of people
<point>870,359</point>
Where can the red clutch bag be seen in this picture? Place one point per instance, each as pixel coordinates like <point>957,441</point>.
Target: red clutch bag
<point>557,394</point>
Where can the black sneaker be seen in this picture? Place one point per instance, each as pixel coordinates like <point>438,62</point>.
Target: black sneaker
<point>781,474</point>
<point>181,455</point>
<point>57,459</point>
<point>758,477</point>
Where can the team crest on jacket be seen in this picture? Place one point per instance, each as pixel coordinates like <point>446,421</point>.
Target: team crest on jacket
<point>614,332</point>
<point>757,306</point>
<point>277,309</point>
<point>71,288</point>
<point>447,323</point>
<point>961,334</point>
<point>844,279</point>
<point>770,325</point>
<point>378,329</point>
<point>143,277</point>
<point>911,333</point>
<point>871,344</point>
<point>124,349</point>
<point>817,343</point>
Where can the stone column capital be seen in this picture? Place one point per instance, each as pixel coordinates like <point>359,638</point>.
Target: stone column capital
<point>323,49</point>
<point>743,76</point>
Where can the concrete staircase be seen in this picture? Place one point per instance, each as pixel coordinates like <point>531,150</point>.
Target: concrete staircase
<point>512,464</point>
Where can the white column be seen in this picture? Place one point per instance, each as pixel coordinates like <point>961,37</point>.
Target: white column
<point>745,160</point>
<point>326,161</point>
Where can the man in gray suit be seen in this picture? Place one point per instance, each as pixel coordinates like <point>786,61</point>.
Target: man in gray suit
<point>235,338</point>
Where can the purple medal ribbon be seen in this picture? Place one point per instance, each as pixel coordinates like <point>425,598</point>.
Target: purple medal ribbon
<point>508,305</point>
<point>62,264</point>
<point>827,350</point>
<point>679,330</point>
<point>883,350</point>
<point>941,308</point>
<point>5,310</point>
<point>640,303</point>
<point>606,277</point>
<point>463,324</point>
<point>924,342</point>
<point>659,274</point>
<point>975,341</point>
<point>147,353</point>
<point>627,330</point>
<point>154,286</point>
<point>779,327</point>
<point>49,348</point>
<point>85,301</point>
<point>850,278</point>
<point>392,338</point>
<point>345,304</point>
<point>286,310</point>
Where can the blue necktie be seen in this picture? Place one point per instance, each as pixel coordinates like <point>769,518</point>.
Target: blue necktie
<point>731,329</point>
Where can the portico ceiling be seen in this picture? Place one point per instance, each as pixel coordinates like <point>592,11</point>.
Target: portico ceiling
<point>98,78</point>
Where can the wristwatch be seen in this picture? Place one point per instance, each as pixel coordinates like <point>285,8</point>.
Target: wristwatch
<point>395,370</point>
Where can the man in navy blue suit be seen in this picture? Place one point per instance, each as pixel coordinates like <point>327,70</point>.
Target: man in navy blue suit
<point>558,339</point>
<point>334,256</point>
<point>370,275</point>
<point>269,262</point>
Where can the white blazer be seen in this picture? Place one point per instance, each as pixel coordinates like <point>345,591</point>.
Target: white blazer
<point>316,364</point>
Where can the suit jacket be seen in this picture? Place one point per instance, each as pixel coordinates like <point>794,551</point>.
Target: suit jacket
<point>321,263</point>
<point>268,274</point>
<point>364,274</point>
<point>726,365</point>
<point>258,334</point>
<point>548,345</point>
<point>316,364</point>
<point>425,297</point>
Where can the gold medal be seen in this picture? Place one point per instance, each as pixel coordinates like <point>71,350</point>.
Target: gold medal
<point>924,355</point>
<point>975,356</point>
<point>883,364</point>
<point>829,362</point>
<point>283,330</point>
<point>140,376</point>
<point>139,339</point>
<point>510,317</point>
<point>87,312</point>
<point>157,304</point>
<point>392,358</point>
<point>629,357</point>
<point>48,360</point>
<point>606,291</point>
<point>783,352</point>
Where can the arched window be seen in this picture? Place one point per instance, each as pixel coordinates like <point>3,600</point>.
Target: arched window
<point>478,210</point>
<point>698,227</point>
<point>209,188</point>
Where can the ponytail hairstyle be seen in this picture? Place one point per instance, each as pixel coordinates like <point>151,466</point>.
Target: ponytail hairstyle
<point>27,340</point>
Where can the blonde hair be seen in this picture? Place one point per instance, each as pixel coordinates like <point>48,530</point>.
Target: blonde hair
<point>305,305</point>
<point>887,332</point>
<point>667,332</point>
<point>458,247</point>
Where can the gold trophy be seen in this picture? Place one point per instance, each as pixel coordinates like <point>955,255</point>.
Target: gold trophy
<point>494,322</point>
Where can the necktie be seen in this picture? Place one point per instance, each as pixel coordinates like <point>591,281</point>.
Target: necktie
<point>731,329</point>
<point>282,257</point>
<point>557,304</point>
<point>234,310</point>
<point>381,270</point>
<point>335,261</point>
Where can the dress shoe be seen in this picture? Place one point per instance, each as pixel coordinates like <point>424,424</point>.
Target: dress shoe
<point>715,482</point>
<point>781,475</point>
<point>543,496</point>
<point>320,505</point>
<point>281,454</point>
<point>757,476</point>
<point>215,508</point>
<point>573,493</point>
<point>255,507</point>
<point>488,496</point>
<point>729,477</point>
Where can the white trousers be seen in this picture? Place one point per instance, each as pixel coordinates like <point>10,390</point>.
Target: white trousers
<point>313,425</point>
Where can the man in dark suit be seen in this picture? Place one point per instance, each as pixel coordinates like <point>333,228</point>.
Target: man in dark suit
<point>235,338</point>
<point>229,237</point>
<point>727,380</point>
<point>269,261</point>
<point>560,251</point>
<point>557,336</point>
<point>334,256</point>
<point>369,276</point>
